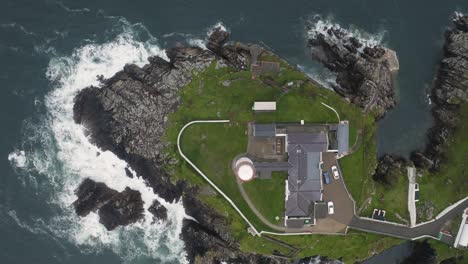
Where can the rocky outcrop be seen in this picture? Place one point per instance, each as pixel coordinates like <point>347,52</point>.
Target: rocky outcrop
<point>114,208</point>
<point>364,74</point>
<point>449,92</point>
<point>128,115</point>
<point>389,169</point>
<point>158,210</point>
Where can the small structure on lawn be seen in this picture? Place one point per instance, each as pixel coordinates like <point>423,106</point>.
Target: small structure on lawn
<point>264,106</point>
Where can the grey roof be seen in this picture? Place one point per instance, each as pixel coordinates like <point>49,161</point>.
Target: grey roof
<point>272,166</point>
<point>304,181</point>
<point>321,210</point>
<point>311,142</point>
<point>307,138</point>
<point>295,223</point>
<point>343,137</point>
<point>264,130</point>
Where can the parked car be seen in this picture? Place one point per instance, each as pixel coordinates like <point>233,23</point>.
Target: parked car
<point>331,208</point>
<point>326,177</point>
<point>335,172</point>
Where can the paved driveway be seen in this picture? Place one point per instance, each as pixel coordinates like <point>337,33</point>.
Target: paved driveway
<point>336,192</point>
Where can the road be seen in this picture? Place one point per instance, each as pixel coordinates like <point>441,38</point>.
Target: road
<point>428,229</point>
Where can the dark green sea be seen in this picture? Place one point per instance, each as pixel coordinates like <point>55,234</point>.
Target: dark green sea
<point>49,50</point>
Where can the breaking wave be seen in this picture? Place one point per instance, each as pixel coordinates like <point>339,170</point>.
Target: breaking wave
<point>319,25</point>
<point>18,158</point>
<point>197,40</point>
<point>57,151</point>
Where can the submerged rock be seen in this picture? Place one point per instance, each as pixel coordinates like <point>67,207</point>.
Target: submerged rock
<point>364,74</point>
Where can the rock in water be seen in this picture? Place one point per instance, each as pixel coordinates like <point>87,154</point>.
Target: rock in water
<point>452,79</point>
<point>114,208</point>
<point>364,74</point>
<point>158,210</point>
<point>217,39</point>
<point>122,209</point>
<point>91,196</point>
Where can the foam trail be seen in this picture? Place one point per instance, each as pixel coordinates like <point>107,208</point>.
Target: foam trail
<point>66,157</point>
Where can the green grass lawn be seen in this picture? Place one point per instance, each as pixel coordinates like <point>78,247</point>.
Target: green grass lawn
<point>358,167</point>
<point>450,184</point>
<point>355,246</point>
<point>268,195</point>
<point>394,200</point>
<point>440,189</point>
<point>213,146</point>
<point>445,252</point>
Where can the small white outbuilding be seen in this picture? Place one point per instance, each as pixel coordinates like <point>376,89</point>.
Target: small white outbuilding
<point>461,240</point>
<point>264,106</point>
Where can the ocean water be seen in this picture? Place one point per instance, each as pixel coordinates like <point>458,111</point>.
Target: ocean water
<point>49,50</point>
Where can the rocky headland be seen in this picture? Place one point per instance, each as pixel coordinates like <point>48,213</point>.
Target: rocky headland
<point>128,115</point>
<point>364,73</point>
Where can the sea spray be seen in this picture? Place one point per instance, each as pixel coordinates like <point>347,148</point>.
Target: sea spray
<point>319,25</point>
<point>60,151</point>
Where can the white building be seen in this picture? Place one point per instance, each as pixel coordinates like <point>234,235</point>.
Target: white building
<point>462,237</point>
<point>264,106</point>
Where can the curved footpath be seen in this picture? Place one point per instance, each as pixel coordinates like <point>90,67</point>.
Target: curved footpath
<point>431,229</point>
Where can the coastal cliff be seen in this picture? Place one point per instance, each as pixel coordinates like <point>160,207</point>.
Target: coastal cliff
<point>449,92</point>
<point>364,73</point>
<point>128,115</point>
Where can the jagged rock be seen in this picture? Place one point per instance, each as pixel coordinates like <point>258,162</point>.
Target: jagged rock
<point>122,209</point>
<point>128,115</point>
<point>389,169</point>
<point>420,160</point>
<point>449,92</point>
<point>114,208</point>
<point>91,196</point>
<point>364,75</point>
<point>217,39</point>
<point>158,210</point>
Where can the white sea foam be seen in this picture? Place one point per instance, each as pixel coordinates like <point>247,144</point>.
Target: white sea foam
<point>324,77</point>
<point>65,157</point>
<point>17,158</point>
<point>201,41</point>
<point>457,15</point>
<point>319,25</point>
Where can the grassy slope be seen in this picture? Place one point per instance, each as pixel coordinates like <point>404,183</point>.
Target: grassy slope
<point>213,146</point>
<point>450,183</point>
